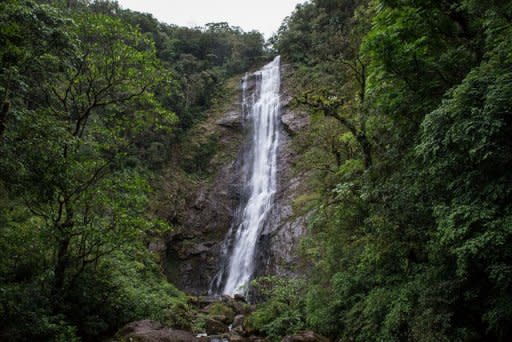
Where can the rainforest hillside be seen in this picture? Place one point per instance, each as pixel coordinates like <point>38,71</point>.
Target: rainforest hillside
<point>110,121</point>
<point>94,100</point>
<point>410,157</point>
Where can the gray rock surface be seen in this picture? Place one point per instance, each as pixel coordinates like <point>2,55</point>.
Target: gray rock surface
<point>232,119</point>
<point>306,336</point>
<point>280,238</point>
<point>294,121</point>
<point>152,331</point>
<point>193,251</point>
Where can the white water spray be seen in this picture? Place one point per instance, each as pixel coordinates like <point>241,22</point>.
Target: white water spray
<point>264,114</point>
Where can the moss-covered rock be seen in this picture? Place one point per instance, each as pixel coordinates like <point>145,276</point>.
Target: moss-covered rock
<point>221,309</point>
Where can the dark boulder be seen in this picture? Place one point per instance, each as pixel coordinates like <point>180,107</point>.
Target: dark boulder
<point>239,298</point>
<point>152,331</point>
<point>214,327</point>
<point>305,336</point>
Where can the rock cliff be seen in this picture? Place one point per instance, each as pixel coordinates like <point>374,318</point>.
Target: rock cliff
<point>204,214</point>
<point>280,238</point>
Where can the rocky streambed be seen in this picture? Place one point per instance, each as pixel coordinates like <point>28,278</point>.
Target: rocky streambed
<point>215,319</point>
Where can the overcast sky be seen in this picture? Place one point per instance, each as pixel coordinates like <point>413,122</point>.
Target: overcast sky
<point>262,15</point>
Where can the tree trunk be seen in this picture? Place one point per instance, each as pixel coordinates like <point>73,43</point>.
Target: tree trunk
<point>61,266</point>
<point>3,116</point>
<point>366,149</point>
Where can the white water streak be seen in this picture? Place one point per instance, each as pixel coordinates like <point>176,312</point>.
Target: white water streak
<point>264,115</point>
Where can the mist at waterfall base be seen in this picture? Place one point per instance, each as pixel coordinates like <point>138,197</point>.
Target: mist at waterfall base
<point>240,246</point>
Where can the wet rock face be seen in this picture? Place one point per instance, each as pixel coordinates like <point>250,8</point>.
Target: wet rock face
<point>193,252</point>
<point>280,238</point>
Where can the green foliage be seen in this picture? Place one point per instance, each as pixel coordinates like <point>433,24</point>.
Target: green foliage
<point>198,156</point>
<point>93,98</point>
<point>202,58</point>
<point>416,246</point>
<point>466,152</point>
<point>178,316</point>
<point>408,156</point>
<point>282,312</point>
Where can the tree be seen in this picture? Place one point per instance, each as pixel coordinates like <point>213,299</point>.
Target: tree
<point>465,148</point>
<point>416,247</point>
<point>344,64</point>
<point>33,39</point>
<point>83,131</point>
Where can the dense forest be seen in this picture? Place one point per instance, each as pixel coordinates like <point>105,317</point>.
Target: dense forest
<point>408,155</point>
<point>94,98</point>
<point>410,151</point>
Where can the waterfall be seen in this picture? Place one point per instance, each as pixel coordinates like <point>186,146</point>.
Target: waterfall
<point>261,165</point>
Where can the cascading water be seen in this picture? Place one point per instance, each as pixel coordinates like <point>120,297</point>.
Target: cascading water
<point>263,111</point>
